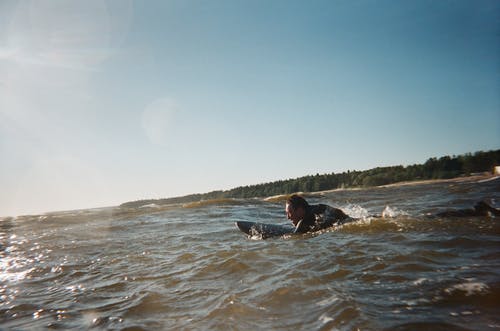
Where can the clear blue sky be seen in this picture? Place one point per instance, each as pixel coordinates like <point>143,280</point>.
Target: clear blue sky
<point>103,102</point>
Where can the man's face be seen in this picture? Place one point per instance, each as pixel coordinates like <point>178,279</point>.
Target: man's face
<point>294,215</point>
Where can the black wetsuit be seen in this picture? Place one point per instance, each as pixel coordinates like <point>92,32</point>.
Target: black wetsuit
<point>320,217</point>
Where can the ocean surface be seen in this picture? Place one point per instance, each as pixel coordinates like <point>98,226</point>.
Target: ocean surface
<point>187,267</point>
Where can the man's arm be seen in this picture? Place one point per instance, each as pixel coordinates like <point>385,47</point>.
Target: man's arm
<point>300,227</point>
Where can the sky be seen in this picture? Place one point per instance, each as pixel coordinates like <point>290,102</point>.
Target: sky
<point>103,102</point>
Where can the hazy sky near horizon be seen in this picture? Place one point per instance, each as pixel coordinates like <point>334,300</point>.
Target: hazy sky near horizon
<point>103,102</point>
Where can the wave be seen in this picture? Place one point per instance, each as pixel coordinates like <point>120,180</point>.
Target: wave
<point>216,202</point>
<point>204,203</point>
<point>436,326</point>
<point>468,289</point>
<point>276,198</point>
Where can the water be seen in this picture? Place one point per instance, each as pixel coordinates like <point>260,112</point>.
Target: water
<point>189,268</point>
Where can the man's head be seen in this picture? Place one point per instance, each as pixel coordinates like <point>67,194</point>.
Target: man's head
<point>295,208</point>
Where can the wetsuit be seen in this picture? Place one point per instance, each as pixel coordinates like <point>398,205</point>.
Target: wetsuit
<point>318,217</point>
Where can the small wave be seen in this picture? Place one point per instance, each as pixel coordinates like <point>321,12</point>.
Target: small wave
<point>150,206</point>
<point>229,309</point>
<point>468,289</point>
<point>420,281</point>
<point>327,301</point>
<point>466,292</point>
<point>146,302</point>
<point>466,242</point>
<point>325,319</point>
<point>204,203</point>
<point>371,225</point>
<point>426,326</point>
<point>276,198</point>
<point>231,266</point>
<point>488,179</point>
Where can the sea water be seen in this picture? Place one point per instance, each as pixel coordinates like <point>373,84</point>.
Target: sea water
<point>189,268</point>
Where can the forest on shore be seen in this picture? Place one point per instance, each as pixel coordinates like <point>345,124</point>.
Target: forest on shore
<point>434,168</point>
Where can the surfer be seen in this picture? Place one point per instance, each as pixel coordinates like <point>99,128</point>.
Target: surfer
<point>311,218</point>
<point>308,218</point>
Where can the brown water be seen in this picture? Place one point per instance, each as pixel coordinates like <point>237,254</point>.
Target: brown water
<point>190,268</point>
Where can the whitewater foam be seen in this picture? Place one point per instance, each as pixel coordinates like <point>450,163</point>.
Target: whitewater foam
<point>469,288</point>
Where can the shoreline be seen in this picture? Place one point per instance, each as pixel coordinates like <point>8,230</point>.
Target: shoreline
<point>462,179</point>
<point>487,176</point>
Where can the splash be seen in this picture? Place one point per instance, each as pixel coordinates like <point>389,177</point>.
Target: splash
<point>391,212</point>
<point>356,211</point>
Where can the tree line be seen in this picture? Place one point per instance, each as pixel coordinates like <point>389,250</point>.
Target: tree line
<point>434,168</point>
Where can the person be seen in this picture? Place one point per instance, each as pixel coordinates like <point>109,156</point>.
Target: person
<point>309,218</point>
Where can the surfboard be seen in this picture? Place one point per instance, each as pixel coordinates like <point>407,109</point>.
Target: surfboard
<point>264,230</point>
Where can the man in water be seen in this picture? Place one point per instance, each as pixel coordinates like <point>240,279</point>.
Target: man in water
<point>309,218</point>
